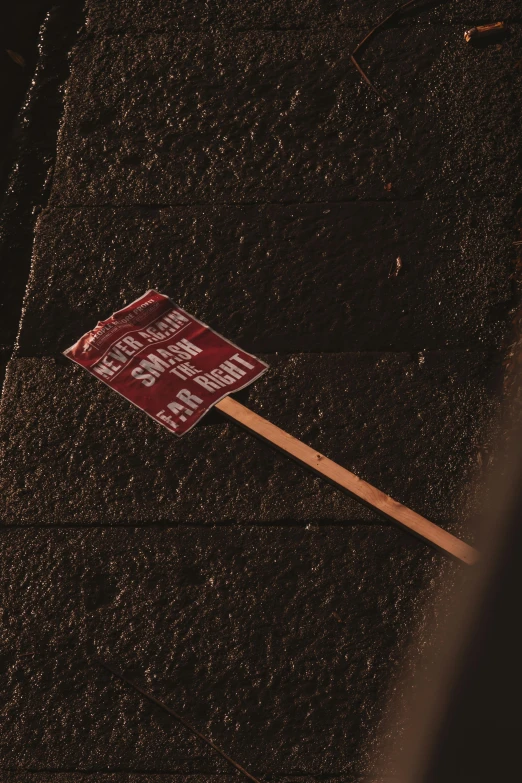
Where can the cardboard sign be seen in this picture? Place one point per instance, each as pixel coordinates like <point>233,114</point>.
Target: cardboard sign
<point>175,368</point>
<point>165,361</point>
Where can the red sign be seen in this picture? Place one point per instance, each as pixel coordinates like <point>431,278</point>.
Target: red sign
<point>165,361</point>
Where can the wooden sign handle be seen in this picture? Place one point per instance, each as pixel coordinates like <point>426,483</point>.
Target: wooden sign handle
<point>340,477</point>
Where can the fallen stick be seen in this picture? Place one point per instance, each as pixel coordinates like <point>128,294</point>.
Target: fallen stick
<point>366,79</point>
<point>347,481</point>
<point>484,31</point>
<point>370,35</point>
<point>175,715</point>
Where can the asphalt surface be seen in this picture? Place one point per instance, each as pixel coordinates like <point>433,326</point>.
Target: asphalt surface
<point>230,155</point>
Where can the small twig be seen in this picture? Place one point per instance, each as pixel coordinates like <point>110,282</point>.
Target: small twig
<point>368,82</point>
<point>175,715</point>
<point>369,36</point>
<point>381,24</point>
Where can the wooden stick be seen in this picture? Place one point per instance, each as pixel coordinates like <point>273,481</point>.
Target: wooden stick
<point>366,79</point>
<point>178,717</point>
<point>369,36</point>
<point>382,23</point>
<point>342,478</point>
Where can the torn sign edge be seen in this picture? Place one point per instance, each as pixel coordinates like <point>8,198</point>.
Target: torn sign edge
<point>201,323</point>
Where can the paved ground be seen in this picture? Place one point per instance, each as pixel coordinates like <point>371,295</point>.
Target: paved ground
<point>229,154</point>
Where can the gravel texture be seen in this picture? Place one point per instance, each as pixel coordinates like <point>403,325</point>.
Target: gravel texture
<point>287,14</point>
<point>309,277</point>
<point>235,629</point>
<point>284,116</point>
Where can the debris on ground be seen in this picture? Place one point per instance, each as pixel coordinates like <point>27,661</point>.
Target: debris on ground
<point>367,38</point>
<point>484,31</point>
<point>395,267</point>
<point>181,720</point>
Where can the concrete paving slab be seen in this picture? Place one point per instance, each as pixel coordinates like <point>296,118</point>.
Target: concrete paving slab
<point>284,116</point>
<point>76,453</point>
<point>162,777</point>
<point>122,777</point>
<point>309,277</point>
<point>285,14</point>
<point>235,628</point>
<point>145,777</point>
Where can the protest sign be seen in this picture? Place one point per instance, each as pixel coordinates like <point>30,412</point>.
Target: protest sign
<point>175,368</point>
<point>165,361</point>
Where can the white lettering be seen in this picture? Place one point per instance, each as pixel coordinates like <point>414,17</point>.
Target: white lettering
<point>118,355</point>
<point>154,365</point>
<point>167,419</point>
<point>102,370</point>
<point>221,381</point>
<point>209,385</point>
<point>190,347</point>
<point>166,355</point>
<point>148,337</point>
<point>237,358</point>
<point>236,372</point>
<point>132,343</point>
<point>189,399</point>
<point>106,367</point>
<point>179,410</point>
<point>144,377</point>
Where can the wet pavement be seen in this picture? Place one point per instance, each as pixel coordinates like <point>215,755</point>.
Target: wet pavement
<point>230,155</point>
<point>257,116</point>
<point>306,277</point>
<point>235,629</point>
